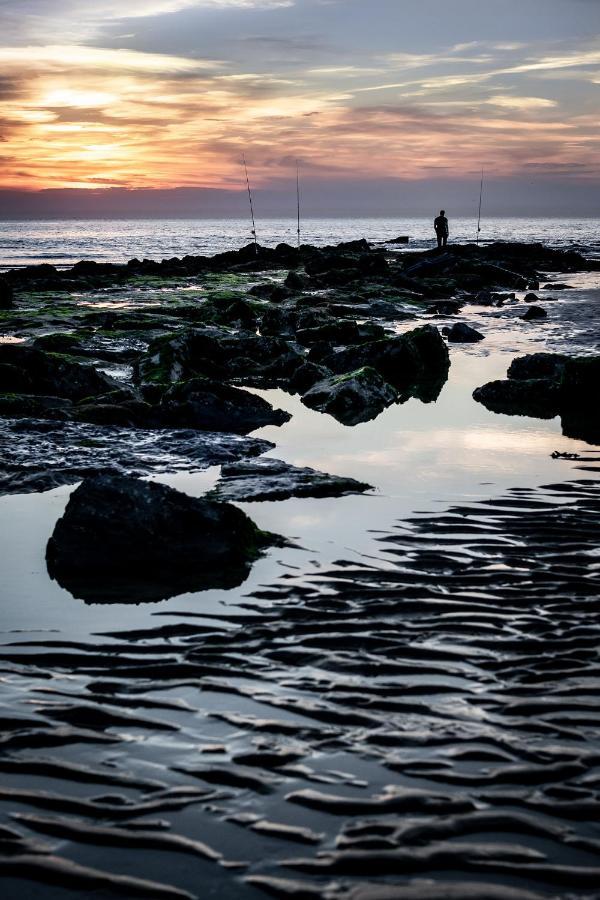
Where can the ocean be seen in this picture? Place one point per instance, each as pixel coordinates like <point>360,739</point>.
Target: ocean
<point>64,242</point>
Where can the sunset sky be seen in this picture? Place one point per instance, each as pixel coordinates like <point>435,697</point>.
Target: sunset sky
<point>161,94</point>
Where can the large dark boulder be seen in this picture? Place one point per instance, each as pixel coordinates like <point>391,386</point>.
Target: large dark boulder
<point>29,371</point>
<point>533,313</point>
<point>213,406</point>
<point>402,360</point>
<point>121,539</point>
<point>461,333</point>
<point>351,398</point>
<point>534,397</point>
<point>6,294</point>
<point>538,365</point>
<point>544,385</point>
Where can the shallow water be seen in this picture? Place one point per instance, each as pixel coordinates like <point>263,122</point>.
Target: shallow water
<point>369,662</point>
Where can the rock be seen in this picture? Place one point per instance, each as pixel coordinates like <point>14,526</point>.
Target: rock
<point>460,332</point>
<point>46,449</point>
<point>533,313</point>
<point>279,321</point>
<point>272,291</point>
<point>6,294</point>
<point>444,308</point>
<point>272,479</point>
<point>549,384</point>
<point>121,539</point>
<point>295,281</point>
<point>557,286</point>
<point>580,385</point>
<point>213,406</point>
<point>36,406</point>
<point>236,313</point>
<point>531,298</point>
<point>534,397</point>
<point>401,239</point>
<point>338,332</point>
<point>57,342</point>
<point>129,413</point>
<point>31,371</point>
<point>217,353</point>
<point>304,377</point>
<point>353,397</point>
<point>538,365</point>
<point>402,360</point>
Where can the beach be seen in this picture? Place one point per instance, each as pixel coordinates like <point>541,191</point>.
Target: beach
<point>398,697</point>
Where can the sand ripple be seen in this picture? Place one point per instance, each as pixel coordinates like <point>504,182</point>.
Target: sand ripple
<point>420,725</point>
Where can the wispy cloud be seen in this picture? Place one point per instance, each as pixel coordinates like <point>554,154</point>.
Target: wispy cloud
<point>81,115</point>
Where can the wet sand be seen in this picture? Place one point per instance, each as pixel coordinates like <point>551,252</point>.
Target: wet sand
<point>403,707</point>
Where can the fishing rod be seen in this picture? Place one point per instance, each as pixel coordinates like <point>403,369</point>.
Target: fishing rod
<point>298,198</point>
<point>251,206</point>
<point>479,215</point>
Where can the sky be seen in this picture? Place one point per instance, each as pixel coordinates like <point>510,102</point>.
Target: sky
<point>383,104</point>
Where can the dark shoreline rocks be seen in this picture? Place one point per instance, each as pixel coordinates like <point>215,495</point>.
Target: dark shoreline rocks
<point>544,385</point>
<point>210,405</point>
<point>122,540</point>
<point>287,317</point>
<point>352,397</point>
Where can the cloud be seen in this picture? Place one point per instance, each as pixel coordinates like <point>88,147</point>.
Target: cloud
<point>79,115</point>
<point>74,56</point>
<point>526,103</point>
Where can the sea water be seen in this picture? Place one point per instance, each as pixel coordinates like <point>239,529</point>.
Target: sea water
<point>64,242</point>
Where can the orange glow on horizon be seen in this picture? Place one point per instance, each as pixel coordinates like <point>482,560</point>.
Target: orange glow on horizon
<point>96,118</point>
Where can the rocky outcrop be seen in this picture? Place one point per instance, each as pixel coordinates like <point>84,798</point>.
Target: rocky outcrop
<point>121,539</point>
<point>402,360</point>
<point>353,397</point>
<point>24,370</point>
<point>273,479</point>
<point>218,353</point>
<point>538,365</point>
<point>544,385</point>
<point>529,397</point>
<point>213,406</point>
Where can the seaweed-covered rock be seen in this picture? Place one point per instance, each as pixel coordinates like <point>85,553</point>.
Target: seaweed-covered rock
<point>296,281</point>
<point>123,539</point>
<point>6,294</point>
<point>272,291</point>
<point>461,333</point>
<point>213,406</point>
<point>217,352</point>
<point>305,376</point>
<point>30,371</point>
<point>353,397</point>
<point>402,360</point>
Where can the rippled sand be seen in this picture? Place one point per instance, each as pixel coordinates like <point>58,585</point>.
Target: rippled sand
<point>435,718</point>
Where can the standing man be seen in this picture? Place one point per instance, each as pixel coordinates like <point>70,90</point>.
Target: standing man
<point>441,228</point>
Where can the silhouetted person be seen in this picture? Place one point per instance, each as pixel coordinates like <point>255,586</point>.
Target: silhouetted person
<point>441,228</point>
